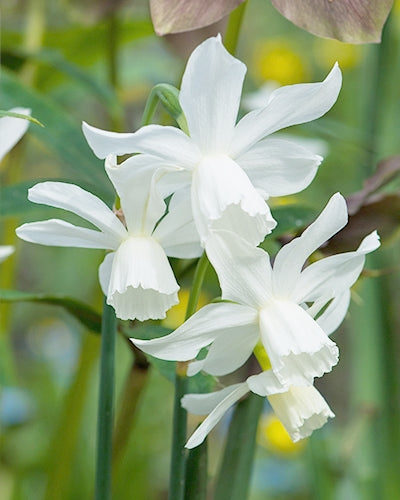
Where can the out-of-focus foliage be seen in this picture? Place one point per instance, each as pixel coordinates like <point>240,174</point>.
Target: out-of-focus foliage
<point>97,61</point>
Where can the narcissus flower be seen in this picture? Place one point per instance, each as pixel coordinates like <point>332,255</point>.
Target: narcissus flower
<point>136,276</point>
<point>290,309</point>
<point>12,129</point>
<point>300,409</point>
<point>231,168</point>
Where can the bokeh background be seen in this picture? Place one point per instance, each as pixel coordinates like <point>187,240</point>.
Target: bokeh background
<point>97,61</point>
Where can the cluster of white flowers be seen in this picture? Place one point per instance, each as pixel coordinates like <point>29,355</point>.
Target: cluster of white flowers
<point>218,177</point>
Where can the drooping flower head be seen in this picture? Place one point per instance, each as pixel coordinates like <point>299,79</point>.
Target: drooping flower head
<point>289,309</point>
<point>301,409</point>
<point>231,168</point>
<point>135,276</point>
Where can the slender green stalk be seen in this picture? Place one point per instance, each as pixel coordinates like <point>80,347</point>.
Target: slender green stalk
<point>177,471</point>
<point>105,408</point>
<point>231,37</point>
<point>233,481</point>
<point>196,473</point>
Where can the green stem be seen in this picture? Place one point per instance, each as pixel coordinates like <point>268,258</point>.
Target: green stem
<point>231,37</point>
<point>177,472</point>
<point>105,408</point>
<point>233,480</point>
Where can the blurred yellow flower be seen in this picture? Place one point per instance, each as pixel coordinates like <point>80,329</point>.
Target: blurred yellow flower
<point>176,315</point>
<point>277,61</point>
<point>273,436</point>
<point>329,51</point>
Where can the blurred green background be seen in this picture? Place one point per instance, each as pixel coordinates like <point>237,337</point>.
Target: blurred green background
<point>70,61</point>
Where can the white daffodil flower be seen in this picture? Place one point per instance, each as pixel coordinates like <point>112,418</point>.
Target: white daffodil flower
<point>300,409</point>
<point>231,168</point>
<point>282,306</point>
<point>136,276</point>
<point>6,251</point>
<point>12,129</point>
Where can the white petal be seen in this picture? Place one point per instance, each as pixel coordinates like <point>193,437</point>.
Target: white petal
<point>215,416</point>
<point>168,143</point>
<point>290,105</point>
<point>12,129</point>
<point>244,272</point>
<point>80,202</point>
<point>331,276</point>
<point>220,185</point>
<point>198,331</point>
<point>6,251</point>
<point>297,347</point>
<point>56,232</point>
<point>105,269</point>
<point>177,232</point>
<point>291,258</point>
<point>335,313</point>
<point>203,404</point>
<point>279,167</point>
<point>228,352</point>
<point>301,410</point>
<point>210,95</point>
<point>135,182</point>
<point>142,284</point>
<point>265,384</point>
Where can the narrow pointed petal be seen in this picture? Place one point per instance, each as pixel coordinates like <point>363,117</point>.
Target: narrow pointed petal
<point>224,198</point>
<point>335,313</point>
<point>210,95</point>
<point>80,202</point>
<point>216,414</point>
<point>177,232</point>
<point>168,143</point>
<point>6,251</point>
<point>333,275</point>
<point>198,331</point>
<point>142,285</point>
<point>244,272</point>
<point>12,129</point>
<point>265,384</point>
<point>291,258</point>
<point>135,182</point>
<point>105,269</point>
<point>58,233</point>
<point>301,410</point>
<point>279,167</point>
<point>203,404</point>
<point>297,347</point>
<point>287,106</point>
<point>228,352</point>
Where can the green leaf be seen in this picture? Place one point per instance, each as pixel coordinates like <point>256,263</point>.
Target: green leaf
<point>352,21</point>
<point>82,312</point>
<point>19,115</point>
<point>196,473</point>
<point>175,16</point>
<point>234,476</point>
<point>60,134</point>
<point>14,199</point>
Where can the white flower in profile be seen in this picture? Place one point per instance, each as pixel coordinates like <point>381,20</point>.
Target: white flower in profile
<point>136,276</point>
<point>12,129</point>
<point>6,251</point>
<point>301,409</point>
<point>231,168</point>
<point>283,306</point>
